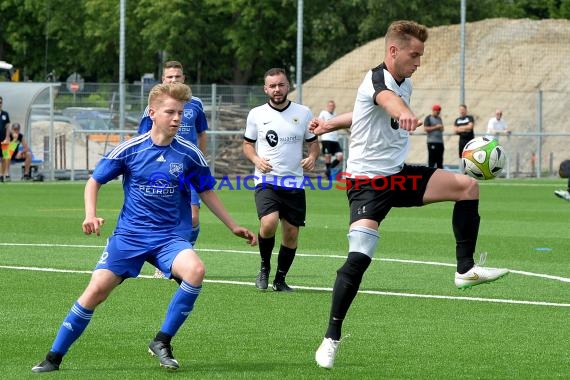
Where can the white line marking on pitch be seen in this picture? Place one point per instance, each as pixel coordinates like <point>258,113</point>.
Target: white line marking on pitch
<point>523,273</point>
<point>313,288</point>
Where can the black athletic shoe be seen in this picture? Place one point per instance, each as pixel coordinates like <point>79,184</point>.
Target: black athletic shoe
<point>281,287</point>
<point>261,281</point>
<point>51,363</point>
<point>45,366</point>
<point>164,353</point>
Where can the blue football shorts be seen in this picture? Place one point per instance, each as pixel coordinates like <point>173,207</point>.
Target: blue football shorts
<point>125,255</point>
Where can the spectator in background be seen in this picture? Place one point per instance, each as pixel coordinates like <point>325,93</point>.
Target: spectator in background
<point>5,140</point>
<point>564,172</point>
<point>497,126</point>
<point>433,126</point>
<point>21,150</point>
<point>463,126</point>
<point>329,142</point>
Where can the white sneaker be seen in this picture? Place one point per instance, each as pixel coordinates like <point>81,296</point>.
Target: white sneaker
<point>564,194</point>
<point>326,353</point>
<point>478,275</point>
<point>158,274</point>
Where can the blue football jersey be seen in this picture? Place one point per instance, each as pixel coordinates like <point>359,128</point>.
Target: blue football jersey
<point>156,183</point>
<point>193,121</point>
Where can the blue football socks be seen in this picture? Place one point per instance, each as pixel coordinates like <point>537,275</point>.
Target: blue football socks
<point>72,327</point>
<point>180,307</point>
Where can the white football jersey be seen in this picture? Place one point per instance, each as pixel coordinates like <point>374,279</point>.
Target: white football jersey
<point>279,137</point>
<point>377,145</point>
<point>330,136</point>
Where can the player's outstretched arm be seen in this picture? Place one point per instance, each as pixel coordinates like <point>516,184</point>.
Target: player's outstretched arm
<point>215,205</point>
<point>319,126</point>
<point>398,110</point>
<point>91,224</point>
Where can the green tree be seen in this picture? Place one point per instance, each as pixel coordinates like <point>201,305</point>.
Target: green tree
<point>221,41</point>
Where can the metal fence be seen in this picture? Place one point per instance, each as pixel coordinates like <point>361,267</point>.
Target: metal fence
<point>86,125</point>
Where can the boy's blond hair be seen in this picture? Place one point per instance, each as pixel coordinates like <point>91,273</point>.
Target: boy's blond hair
<point>178,91</point>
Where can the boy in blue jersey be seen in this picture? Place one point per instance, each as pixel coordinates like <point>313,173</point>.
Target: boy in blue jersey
<point>157,169</point>
<point>193,128</point>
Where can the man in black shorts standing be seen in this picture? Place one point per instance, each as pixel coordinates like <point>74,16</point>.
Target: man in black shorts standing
<point>273,142</point>
<point>463,126</point>
<point>382,121</point>
<point>329,141</point>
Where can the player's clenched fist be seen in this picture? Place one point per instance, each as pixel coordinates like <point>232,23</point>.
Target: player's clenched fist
<point>93,225</point>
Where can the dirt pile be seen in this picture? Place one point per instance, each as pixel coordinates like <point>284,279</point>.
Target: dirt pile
<point>510,64</point>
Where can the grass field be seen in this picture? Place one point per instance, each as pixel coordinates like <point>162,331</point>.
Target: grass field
<point>408,322</point>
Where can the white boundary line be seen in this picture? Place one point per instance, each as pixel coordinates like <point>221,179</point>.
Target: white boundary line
<point>313,288</point>
<point>373,292</point>
<point>523,273</point>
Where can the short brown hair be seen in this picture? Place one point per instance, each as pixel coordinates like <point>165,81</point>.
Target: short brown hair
<point>403,30</point>
<point>275,71</point>
<point>178,91</point>
<point>172,65</point>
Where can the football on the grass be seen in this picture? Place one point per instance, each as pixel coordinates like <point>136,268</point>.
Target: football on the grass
<point>483,158</point>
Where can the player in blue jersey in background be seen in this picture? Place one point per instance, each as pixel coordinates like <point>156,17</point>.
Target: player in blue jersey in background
<point>193,128</point>
<point>157,167</point>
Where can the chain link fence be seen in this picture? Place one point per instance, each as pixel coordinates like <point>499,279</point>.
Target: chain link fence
<point>86,127</point>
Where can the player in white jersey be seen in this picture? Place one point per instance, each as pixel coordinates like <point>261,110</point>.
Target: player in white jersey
<point>329,142</point>
<point>158,168</point>
<point>378,179</point>
<point>273,141</point>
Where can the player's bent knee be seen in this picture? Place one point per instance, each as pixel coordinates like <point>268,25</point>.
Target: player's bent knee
<point>363,239</point>
<point>197,271</point>
<point>472,188</point>
<point>189,268</point>
<point>353,269</point>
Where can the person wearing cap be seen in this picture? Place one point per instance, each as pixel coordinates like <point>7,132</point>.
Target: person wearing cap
<point>433,126</point>
<point>22,152</point>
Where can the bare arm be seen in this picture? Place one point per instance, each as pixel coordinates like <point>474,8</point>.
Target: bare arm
<point>250,153</point>
<point>215,205</point>
<point>435,127</point>
<point>203,142</point>
<point>25,147</point>
<point>309,162</point>
<point>319,126</point>
<point>8,133</point>
<point>399,110</point>
<point>91,224</point>
<point>464,128</point>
